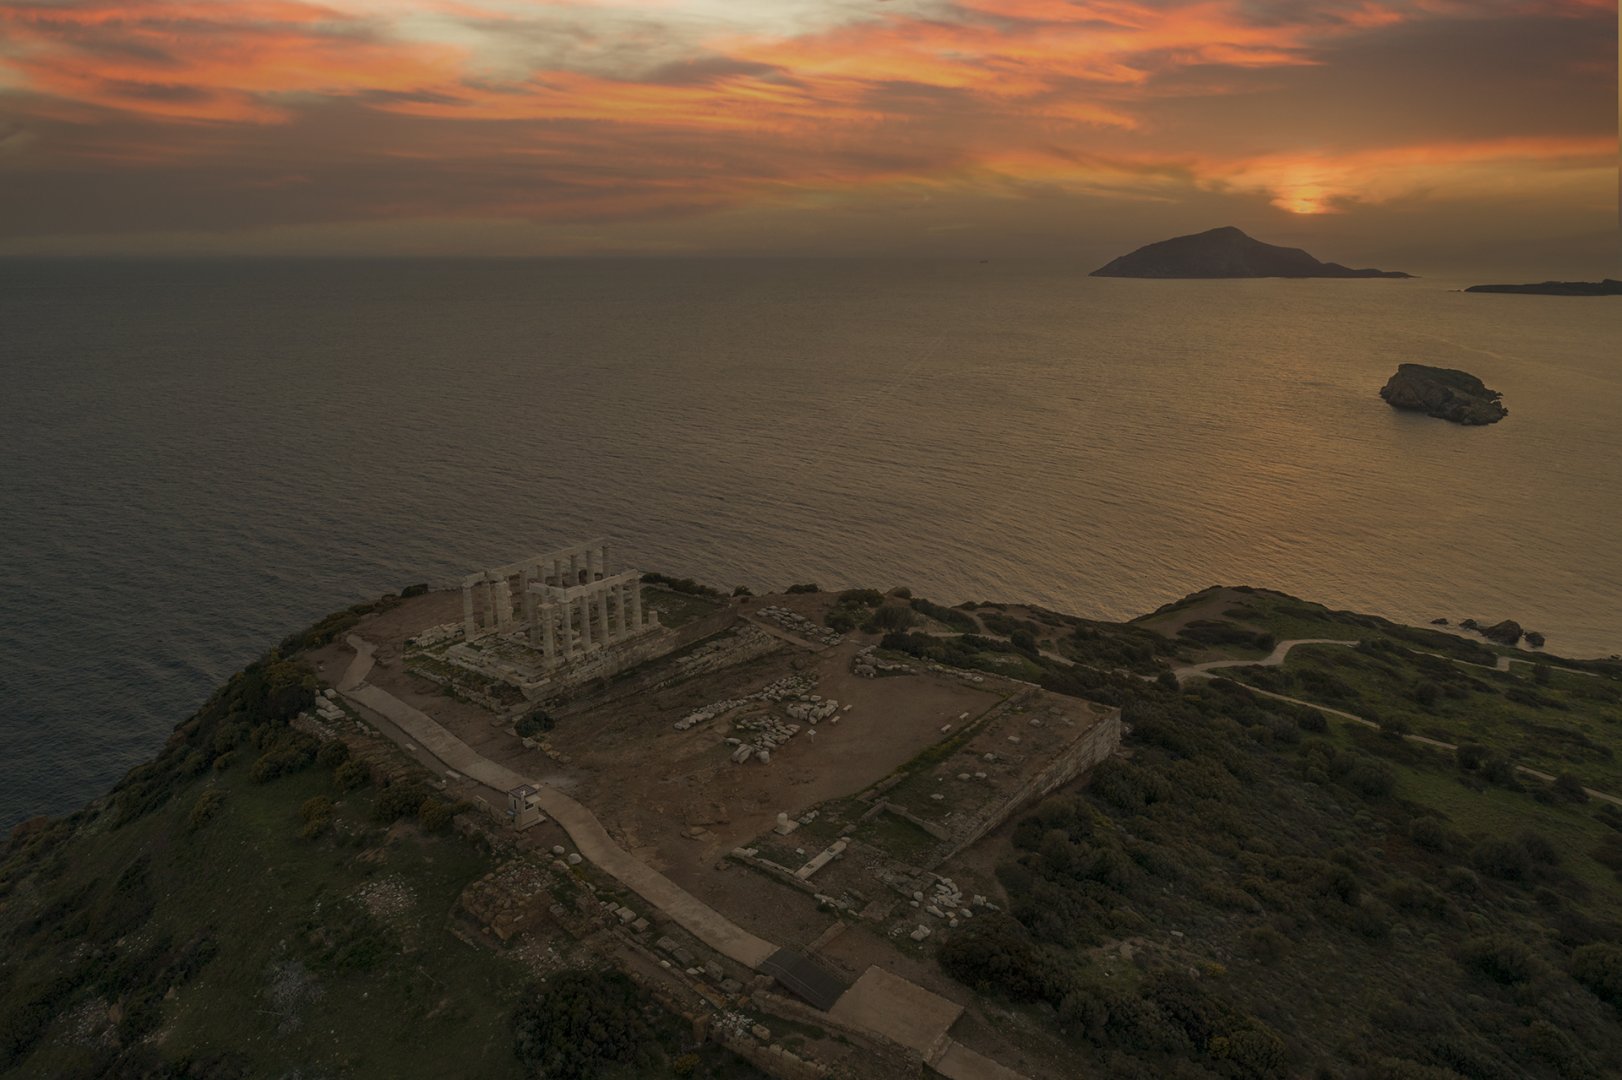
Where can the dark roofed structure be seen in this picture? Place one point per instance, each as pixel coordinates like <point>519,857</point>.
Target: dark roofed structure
<point>806,980</point>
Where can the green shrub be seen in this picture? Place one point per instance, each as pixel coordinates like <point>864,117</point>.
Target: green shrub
<point>808,587</point>
<point>1372,780</point>
<point>1502,959</point>
<point>1501,859</point>
<point>888,619</point>
<point>1432,834</point>
<point>863,597</point>
<point>403,798</point>
<point>960,621</point>
<point>333,753</point>
<point>1598,967</point>
<point>841,620</point>
<point>352,774</point>
<point>535,723</point>
<point>681,585</point>
<point>1251,1053</point>
<point>995,954</point>
<point>206,808</point>
<point>580,1024</point>
<point>288,752</point>
<point>1569,788</point>
<point>435,815</point>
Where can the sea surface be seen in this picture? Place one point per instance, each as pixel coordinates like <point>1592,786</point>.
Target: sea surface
<point>197,458</point>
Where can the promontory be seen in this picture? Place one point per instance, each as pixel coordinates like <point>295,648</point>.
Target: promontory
<point>1228,253</point>
<point>1608,287</point>
<point>1445,393</point>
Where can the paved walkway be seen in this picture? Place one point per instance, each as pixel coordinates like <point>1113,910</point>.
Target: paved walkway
<point>588,834</point>
<point>951,1059</point>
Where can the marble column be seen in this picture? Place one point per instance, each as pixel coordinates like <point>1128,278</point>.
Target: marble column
<point>602,617</point>
<point>467,612</point>
<point>636,604</point>
<point>619,611</point>
<point>584,604</point>
<point>526,578</point>
<point>501,594</point>
<point>568,628</point>
<point>548,645</point>
<point>574,570</point>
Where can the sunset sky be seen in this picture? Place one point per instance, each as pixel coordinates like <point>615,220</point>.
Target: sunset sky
<point>1372,131</point>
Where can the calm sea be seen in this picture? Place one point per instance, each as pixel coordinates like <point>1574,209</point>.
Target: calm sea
<point>196,458</point>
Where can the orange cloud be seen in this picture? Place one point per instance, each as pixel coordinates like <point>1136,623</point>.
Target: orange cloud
<point>603,108</point>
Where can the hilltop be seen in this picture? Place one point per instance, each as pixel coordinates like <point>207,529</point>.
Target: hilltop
<point>1227,252</point>
<point>1330,845</point>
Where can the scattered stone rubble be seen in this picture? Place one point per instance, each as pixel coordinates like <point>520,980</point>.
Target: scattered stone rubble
<point>763,734</point>
<point>508,899</point>
<point>327,708</point>
<point>387,897</point>
<point>868,665</point>
<point>796,623</point>
<point>790,686</point>
<point>435,635</point>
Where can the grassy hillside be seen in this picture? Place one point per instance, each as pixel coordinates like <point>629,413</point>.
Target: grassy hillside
<point>253,904</point>
<point>1253,890</point>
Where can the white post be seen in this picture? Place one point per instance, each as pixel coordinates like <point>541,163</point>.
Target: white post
<point>602,616</point>
<point>585,623</point>
<point>636,603</point>
<point>467,611</point>
<point>619,610</point>
<point>548,645</point>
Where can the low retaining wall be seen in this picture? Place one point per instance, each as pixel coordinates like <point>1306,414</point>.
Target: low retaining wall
<point>1096,745</point>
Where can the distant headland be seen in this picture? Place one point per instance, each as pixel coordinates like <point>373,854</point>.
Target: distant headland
<point>1228,253</point>
<point>1608,287</point>
<point>1445,393</point>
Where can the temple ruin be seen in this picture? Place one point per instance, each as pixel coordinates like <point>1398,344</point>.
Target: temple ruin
<point>565,603</point>
<point>544,623</point>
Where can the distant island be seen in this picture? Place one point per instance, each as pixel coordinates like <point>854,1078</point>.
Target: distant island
<point>1608,287</point>
<point>1228,253</point>
<point>1445,393</point>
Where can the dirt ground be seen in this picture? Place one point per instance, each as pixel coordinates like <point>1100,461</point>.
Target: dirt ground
<point>677,801</point>
<point>685,779</point>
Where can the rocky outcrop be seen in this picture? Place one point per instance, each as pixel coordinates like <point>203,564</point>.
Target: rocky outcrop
<point>1445,393</point>
<point>1508,632</point>
<point>1227,253</point>
<point>1608,287</point>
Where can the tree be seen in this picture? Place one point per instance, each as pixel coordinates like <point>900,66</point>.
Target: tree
<point>580,1023</point>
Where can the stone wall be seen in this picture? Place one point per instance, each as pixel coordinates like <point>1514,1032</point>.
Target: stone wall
<point>1097,744</point>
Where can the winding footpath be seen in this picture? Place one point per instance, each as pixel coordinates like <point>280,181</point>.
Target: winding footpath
<point>1276,658</point>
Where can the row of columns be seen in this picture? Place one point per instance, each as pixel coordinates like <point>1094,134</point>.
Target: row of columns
<point>487,597</point>
<point>564,622</point>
